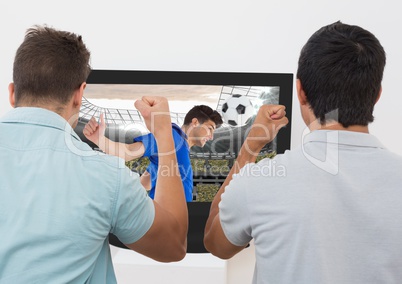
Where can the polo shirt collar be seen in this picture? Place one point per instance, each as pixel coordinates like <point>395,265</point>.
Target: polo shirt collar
<point>38,116</point>
<point>343,137</point>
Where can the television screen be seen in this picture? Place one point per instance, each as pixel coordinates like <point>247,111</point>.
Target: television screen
<point>236,96</point>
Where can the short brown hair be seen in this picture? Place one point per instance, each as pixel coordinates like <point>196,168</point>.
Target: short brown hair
<point>49,65</point>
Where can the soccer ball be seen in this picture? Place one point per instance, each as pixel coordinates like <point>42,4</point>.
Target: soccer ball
<point>237,110</point>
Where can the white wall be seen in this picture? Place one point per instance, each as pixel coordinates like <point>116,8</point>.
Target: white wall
<point>211,35</point>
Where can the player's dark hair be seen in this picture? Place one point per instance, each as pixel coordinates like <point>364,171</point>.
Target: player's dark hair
<point>341,68</point>
<point>203,113</point>
<point>49,65</point>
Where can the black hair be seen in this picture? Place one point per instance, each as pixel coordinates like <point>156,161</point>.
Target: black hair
<point>340,69</point>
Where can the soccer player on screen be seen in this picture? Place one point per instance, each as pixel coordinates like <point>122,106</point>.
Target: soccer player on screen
<point>198,127</point>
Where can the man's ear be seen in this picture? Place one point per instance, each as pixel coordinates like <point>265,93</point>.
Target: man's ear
<point>301,95</point>
<point>11,94</point>
<point>77,99</point>
<point>194,122</point>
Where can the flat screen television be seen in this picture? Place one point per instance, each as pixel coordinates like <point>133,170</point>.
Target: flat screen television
<point>236,96</point>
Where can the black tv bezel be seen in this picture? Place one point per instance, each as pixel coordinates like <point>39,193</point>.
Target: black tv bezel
<point>283,80</point>
<point>199,211</point>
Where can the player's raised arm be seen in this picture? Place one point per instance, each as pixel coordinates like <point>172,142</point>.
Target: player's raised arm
<point>95,132</point>
<point>166,240</point>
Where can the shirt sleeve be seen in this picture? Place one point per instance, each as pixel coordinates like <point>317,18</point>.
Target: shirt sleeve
<point>234,212</point>
<point>149,143</point>
<point>134,211</point>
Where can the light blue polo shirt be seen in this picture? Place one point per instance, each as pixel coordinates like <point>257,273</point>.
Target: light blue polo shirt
<point>59,202</point>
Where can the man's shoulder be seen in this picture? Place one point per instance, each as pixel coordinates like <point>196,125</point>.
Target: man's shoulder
<point>103,162</point>
<point>177,129</point>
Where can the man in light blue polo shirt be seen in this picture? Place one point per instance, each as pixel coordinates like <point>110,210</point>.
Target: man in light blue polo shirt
<point>59,199</point>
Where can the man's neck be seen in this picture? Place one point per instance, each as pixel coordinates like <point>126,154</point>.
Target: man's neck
<point>189,141</point>
<point>64,111</point>
<point>338,126</point>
